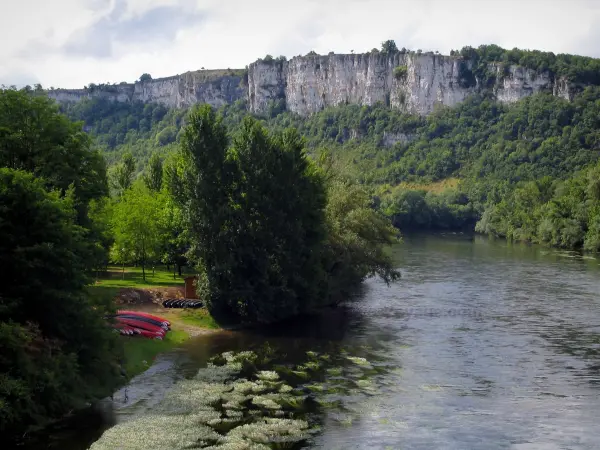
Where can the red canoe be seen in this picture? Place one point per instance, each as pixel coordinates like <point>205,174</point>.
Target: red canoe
<point>140,324</point>
<point>130,331</point>
<point>148,334</point>
<point>163,325</point>
<point>143,314</point>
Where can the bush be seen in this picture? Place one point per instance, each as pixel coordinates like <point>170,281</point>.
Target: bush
<point>400,72</point>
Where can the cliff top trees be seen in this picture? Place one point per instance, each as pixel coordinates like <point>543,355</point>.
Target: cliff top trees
<point>389,47</point>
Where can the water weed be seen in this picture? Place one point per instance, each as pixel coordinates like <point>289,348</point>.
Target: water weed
<point>234,404</point>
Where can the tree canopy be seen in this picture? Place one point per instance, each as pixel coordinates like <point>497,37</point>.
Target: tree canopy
<point>56,350</point>
<point>256,214</point>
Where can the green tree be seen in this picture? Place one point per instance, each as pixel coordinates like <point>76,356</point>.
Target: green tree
<point>34,137</point>
<point>57,353</point>
<point>255,214</point>
<point>122,174</point>
<point>135,224</point>
<point>154,176</point>
<point>145,77</point>
<point>389,47</point>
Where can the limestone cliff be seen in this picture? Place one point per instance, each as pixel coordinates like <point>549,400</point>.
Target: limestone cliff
<point>215,87</point>
<point>410,81</point>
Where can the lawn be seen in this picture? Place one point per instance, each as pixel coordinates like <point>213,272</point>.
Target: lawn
<point>131,277</point>
<point>140,352</point>
<point>200,318</point>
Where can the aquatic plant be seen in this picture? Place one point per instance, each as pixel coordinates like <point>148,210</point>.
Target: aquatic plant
<point>267,375</point>
<point>358,360</point>
<point>265,402</point>
<point>234,404</point>
<point>301,374</point>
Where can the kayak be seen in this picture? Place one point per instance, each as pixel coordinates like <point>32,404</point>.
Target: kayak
<point>143,314</point>
<point>140,324</point>
<point>148,334</point>
<point>163,325</point>
<point>127,330</point>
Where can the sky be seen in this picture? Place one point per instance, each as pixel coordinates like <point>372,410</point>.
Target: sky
<point>71,43</point>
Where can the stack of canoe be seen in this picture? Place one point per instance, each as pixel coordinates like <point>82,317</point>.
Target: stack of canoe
<point>178,303</point>
<point>137,323</point>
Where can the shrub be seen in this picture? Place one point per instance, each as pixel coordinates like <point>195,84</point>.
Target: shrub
<point>400,72</point>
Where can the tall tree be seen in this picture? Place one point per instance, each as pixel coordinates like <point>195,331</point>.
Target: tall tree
<point>255,215</point>
<point>34,137</point>
<point>122,173</point>
<point>154,176</point>
<point>136,226</point>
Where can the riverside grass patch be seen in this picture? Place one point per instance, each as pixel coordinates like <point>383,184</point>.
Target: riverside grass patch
<point>235,404</point>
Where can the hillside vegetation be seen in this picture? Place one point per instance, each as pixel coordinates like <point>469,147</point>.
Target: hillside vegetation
<point>488,149</point>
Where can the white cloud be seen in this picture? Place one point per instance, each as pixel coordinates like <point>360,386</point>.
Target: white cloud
<point>70,43</point>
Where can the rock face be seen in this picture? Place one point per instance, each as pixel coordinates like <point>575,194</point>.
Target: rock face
<point>411,82</point>
<point>216,88</point>
<point>414,83</point>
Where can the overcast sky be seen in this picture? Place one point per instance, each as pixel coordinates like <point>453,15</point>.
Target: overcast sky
<point>70,43</point>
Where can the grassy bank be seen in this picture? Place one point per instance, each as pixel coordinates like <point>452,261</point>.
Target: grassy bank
<point>140,352</point>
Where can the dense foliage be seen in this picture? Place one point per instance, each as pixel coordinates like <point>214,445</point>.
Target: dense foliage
<point>56,352</point>
<point>256,215</point>
<point>136,128</point>
<point>578,69</point>
<point>562,213</point>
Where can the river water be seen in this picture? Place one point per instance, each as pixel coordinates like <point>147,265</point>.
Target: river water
<point>481,345</point>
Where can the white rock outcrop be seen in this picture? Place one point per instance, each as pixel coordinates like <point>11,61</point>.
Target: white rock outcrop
<point>411,82</point>
<point>216,88</point>
<point>308,84</point>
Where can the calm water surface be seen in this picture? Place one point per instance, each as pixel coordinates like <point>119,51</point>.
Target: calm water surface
<point>482,345</point>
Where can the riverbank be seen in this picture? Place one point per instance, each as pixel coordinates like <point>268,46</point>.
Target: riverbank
<point>126,288</point>
<point>140,352</point>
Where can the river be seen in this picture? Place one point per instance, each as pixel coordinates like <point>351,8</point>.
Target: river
<point>482,345</point>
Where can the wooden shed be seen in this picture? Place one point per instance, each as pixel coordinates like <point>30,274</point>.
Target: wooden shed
<point>191,283</point>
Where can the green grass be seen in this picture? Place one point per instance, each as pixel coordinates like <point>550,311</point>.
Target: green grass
<point>140,352</point>
<point>199,318</point>
<point>132,277</point>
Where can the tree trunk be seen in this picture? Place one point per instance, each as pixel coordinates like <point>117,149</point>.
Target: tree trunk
<point>179,269</point>
<point>174,277</point>
<point>144,270</point>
